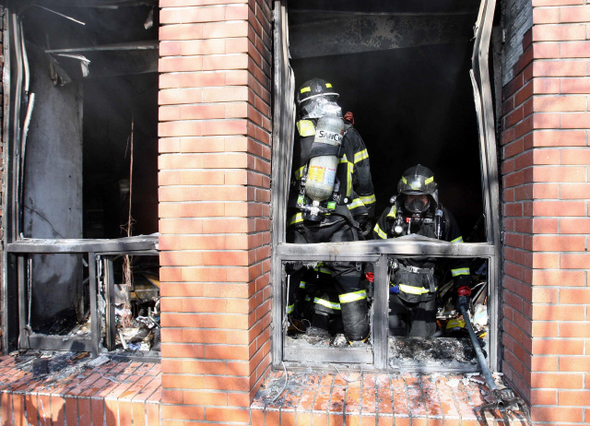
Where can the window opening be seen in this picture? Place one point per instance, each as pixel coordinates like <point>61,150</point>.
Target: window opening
<point>410,75</point>
<point>82,196</point>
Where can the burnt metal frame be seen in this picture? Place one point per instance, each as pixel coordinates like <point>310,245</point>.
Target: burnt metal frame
<point>377,251</point>
<point>97,251</point>
<point>16,248</point>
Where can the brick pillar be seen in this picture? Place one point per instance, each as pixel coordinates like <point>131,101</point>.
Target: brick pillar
<point>214,195</point>
<point>546,168</point>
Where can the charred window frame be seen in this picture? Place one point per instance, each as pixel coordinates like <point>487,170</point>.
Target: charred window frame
<point>20,252</point>
<point>378,251</point>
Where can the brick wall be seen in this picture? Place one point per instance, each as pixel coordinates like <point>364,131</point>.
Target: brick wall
<point>546,167</point>
<point>214,192</point>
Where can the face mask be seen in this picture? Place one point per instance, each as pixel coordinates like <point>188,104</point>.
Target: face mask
<point>320,106</point>
<point>416,205</point>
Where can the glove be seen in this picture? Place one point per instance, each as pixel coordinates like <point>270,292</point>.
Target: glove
<point>463,297</point>
<point>365,225</point>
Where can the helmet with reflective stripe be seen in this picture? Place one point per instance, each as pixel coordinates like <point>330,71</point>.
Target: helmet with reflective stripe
<point>417,180</point>
<point>314,88</point>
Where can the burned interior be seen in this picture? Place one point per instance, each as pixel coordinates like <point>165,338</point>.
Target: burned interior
<point>82,264</point>
<point>415,75</point>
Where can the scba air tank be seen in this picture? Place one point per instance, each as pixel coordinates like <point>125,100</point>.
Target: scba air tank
<point>321,172</point>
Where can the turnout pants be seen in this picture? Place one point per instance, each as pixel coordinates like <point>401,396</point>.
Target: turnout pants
<point>412,319</point>
<point>346,275</point>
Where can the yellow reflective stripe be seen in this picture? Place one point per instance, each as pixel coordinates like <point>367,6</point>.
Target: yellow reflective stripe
<point>305,89</point>
<point>290,309</point>
<point>302,284</point>
<point>360,156</point>
<point>380,233</point>
<point>460,271</point>
<point>392,211</point>
<point>299,172</point>
<point>458,240</point>
<point>412,290</point>
<point>356,203</point>
<point>353,297</point>
<point>429,180</point>
<point>404,180</point>
<point>323,270</point>
<point>296,218</point>
<point>368,199</point>
<point>328,85</point>
<point>349,179</point>
<point>306,128</point>
<point>327,303</point>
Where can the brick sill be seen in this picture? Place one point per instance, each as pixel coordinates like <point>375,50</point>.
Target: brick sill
<point>116,392</point>
<point>363,399</point>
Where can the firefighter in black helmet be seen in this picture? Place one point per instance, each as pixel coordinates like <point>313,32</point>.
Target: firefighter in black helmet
<point>331,197</point>
<point>413,283</point>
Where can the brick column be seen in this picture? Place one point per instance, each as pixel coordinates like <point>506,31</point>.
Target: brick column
<point>546,172</point>
<point>214,194</point>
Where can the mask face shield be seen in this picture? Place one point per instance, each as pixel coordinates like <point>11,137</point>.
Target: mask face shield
<point>320,106</point>
<point>417,203</point>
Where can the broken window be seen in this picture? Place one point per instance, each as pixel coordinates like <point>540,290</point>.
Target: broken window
<point>415,77</point>
<point>82,263</point>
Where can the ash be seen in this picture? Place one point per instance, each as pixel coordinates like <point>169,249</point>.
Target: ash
<point>443,351</point>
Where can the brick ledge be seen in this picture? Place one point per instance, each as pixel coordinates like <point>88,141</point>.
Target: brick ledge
<point>116,392</point>
<point>361,399</point>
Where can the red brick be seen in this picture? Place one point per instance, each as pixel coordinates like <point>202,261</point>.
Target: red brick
<point>545,16</point>
<point>559,208</point>
<point>97,406</point>
<point>559,32</point>
<point>559,174</point>
<point>575,14</point>
<point>138,413</point>
<point>546,157</point>
<point>567,103</point>
<point>559,278</point>
<point>558,243</point>
<point>153,414</point>
<point>575,120</point>
<point>545,363</point>
<point>545,138</point>
<point>575,191</point>
<point>559,347</point>
<point>575,296</point>
<point>575,261</point>
<point>574,226</point>
<point>574,364</point>
<point>575,85</point>
<point>560,415</point>
<point>182,412</point>
<point>557,313</point>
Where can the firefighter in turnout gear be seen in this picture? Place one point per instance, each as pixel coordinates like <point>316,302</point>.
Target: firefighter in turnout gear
<point>413,282</point>
<point>331,197</point>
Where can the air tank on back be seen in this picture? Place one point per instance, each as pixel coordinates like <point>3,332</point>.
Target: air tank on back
<point>321,173</point>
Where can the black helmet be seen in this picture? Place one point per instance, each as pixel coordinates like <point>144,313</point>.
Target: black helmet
<point>314,88</point>
<point>417,180</point>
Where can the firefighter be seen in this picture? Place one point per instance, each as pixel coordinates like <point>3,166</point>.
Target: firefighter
<point>413,283</point>
<point>331,197</point>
